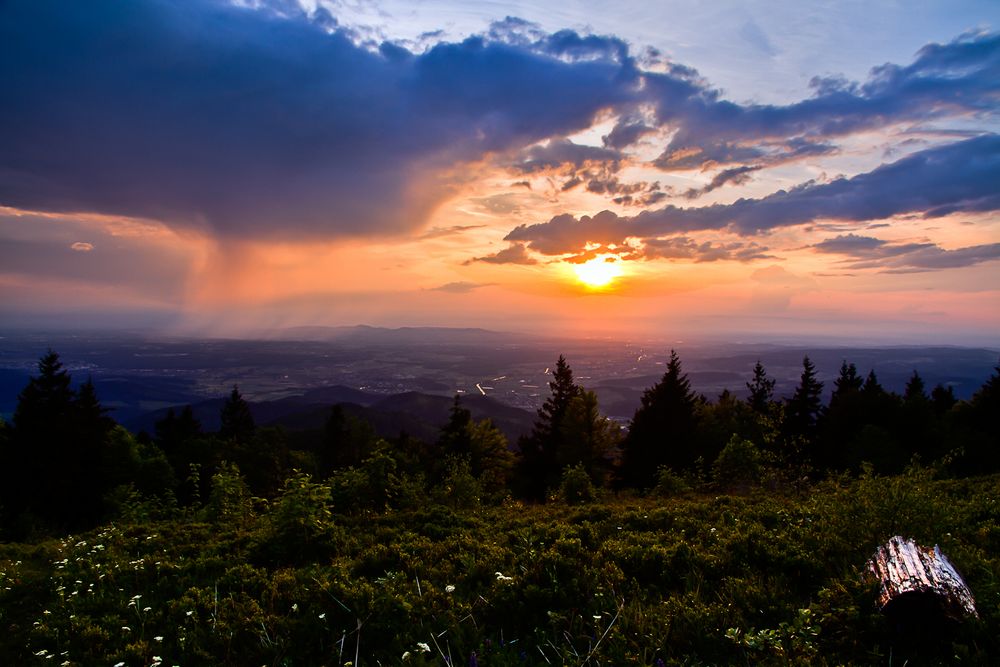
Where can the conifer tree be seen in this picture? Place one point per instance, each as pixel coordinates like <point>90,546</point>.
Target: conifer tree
<point>663,430</point>
<point>490,457</point>
<point>237,422</point>
<point>847,384</point>
<point>590,438</point>
<point>943,399</point>
<point>455,436</point>
<point>982,414</point>
<point>915,393</point>
<point>539,451</point>
<point>57,449</point>
<point>46,403</point>
<point>347,441</point>
<point>803,408</point>
<point>761,390</point>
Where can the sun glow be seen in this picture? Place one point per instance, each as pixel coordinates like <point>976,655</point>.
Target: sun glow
<point>598,272</point>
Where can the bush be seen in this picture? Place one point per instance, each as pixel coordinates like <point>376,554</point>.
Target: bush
<point>459,489</point>
<point>739,463</point>
<point>229,501</point>
<point>669,483</point>
<point>372,486</point>
<point>575,488</point>
<point>300,513</point>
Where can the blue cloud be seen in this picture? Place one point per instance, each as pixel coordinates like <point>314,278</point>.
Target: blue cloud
<point>959,177</point>
<point>272,122</point>
<point>866,252</point>
<point>261,122</point>
<point>960,78</point>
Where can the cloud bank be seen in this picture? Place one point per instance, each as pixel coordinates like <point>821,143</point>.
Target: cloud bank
<point>269,123</point>
<point>958,177</point>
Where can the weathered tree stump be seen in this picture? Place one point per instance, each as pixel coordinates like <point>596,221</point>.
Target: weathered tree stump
<point>918,582</point>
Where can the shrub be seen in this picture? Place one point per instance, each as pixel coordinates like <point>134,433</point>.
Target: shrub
<point>739,463</point>
<point>230,499</point>
<point>669,483</point>
<point>300,513</point>
<point>459,488</point>
<point>575,488</point>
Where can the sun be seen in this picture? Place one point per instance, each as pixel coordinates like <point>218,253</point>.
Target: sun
<point>598,272</point>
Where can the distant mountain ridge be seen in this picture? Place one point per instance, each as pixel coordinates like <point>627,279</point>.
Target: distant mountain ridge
<point>418,414</point>
<point>370,335</point>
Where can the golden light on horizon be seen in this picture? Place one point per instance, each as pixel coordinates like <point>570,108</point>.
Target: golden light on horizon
<point>598,272</point>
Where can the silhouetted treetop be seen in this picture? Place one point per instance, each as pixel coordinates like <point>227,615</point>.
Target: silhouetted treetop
<point>237,422</point>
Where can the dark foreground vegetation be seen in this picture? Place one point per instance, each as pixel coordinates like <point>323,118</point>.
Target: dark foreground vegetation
<point>711,532</point>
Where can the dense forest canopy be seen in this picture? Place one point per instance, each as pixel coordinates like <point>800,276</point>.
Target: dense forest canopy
<point>67,464</point>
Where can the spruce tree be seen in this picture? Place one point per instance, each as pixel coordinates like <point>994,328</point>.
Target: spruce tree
<point>847,383</point>
<point>57,449</point>
<point>982,414</point>
<point>803,408</point>
<point>539,451</point>
<point>943,399</point>
<point>761,390</point>
<point>46,403</point>
<point>237,422</point>
<point>455,439</point>
<point>915,392</point>
<point>590,438</point>
<point>663,430</point>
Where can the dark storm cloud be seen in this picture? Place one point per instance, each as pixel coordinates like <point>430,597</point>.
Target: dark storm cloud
<point>866,252</point>
<point>734,175</point>
<point>959,177</point>
<point>563,152</point>
<point>262,123</point>
<point>625,133</point>
<point>273,122</point>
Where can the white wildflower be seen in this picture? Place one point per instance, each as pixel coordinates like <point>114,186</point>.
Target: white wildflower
<point>323,615</point>
<point>424,646</point>
<point>406,655</point>
<point>158,638</point>
<point>449,589</point>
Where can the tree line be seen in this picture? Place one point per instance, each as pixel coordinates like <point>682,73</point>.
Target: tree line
<point>67,465</point>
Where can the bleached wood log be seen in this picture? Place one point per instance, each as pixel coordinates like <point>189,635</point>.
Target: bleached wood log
<point>908,571</point>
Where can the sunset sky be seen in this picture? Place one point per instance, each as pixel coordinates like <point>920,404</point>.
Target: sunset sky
<point>737,170</point>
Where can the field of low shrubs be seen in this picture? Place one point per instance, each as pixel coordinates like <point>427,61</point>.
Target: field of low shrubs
<point>684,576</point>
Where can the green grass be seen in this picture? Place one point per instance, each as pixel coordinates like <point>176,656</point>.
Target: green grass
<point>764,578</point>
